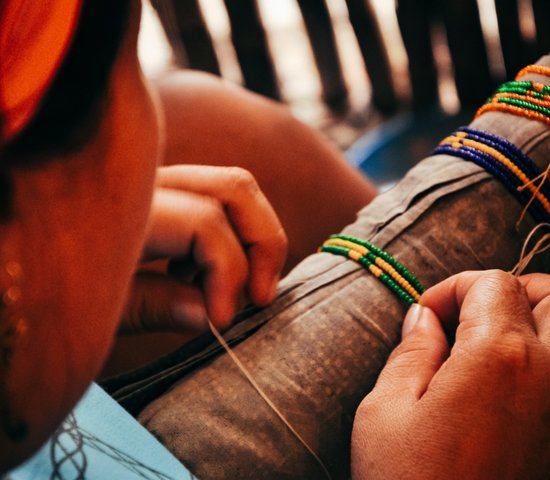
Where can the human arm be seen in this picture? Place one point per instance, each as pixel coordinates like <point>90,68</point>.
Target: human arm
<point>478,409</point>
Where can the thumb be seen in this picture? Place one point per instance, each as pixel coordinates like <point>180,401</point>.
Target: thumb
<point>414,362</point>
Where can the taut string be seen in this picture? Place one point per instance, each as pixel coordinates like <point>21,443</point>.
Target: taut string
<point>264,396</point>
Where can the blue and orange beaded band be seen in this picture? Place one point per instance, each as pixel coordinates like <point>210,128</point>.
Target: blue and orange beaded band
<point>517,172</point>
<point>378,262</point>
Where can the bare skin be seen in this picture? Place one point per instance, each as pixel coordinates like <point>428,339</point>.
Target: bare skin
<point>478,410</point>
<point>77,254</point>
<point>81,224</point>
<point>310,186</point>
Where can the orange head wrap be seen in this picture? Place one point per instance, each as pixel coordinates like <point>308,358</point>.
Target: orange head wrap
<point>34,38</point>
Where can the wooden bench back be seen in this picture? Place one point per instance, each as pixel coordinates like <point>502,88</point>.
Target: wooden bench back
<point>460,20</point>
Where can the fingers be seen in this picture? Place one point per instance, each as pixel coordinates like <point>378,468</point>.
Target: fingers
<point>253,218</point>
<point>537,286</point>
<point>160,303</point>
<point>485,304</point>
<point>446,297</point>
<point>185,224</point>
<point>412,365</point>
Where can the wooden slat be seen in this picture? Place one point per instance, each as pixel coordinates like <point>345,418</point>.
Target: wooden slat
<point>513,45</point>
<point>468,51</point>
<point>542,22</point>
<point>321,35</point>
<point>415,18</point>
<point>188,34</point>
<point>374,55</point>
<point>250,42</point>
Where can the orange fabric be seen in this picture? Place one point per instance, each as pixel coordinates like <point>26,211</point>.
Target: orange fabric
<point>34,38</point>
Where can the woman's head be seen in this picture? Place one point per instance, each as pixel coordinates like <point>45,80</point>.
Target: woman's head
<point>81,174</point>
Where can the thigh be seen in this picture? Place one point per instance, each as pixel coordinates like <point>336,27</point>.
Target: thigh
<point>311,186</point>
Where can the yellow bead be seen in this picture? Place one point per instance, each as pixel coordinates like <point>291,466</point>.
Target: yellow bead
<point>354,255</point>
<point>512,167</point>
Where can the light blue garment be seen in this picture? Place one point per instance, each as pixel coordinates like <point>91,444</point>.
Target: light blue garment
<point>101,441</point>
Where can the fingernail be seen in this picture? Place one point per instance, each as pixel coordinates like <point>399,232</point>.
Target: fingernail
<point>414,314</point>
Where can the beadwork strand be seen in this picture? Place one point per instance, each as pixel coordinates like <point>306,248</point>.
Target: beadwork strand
<point>457,142</point>
<point>386,256</point>
<point>517,172</point>
<point>520,112</point>
<point>522,98</point>
<point>378,261</point>
<point>538,69</point>
<point>372,268</point>
<point>532,101</point>
<point>529,105</point>
<point>525,86</point>
<point>500,172</point>
<point>506,147</point>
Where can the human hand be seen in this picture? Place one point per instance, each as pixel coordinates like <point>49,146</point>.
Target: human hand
<point>223,244</point>
<point>480,410</point>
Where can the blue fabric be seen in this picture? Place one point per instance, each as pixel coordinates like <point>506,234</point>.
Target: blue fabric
<point>100,440</point>
<point>389,151</point>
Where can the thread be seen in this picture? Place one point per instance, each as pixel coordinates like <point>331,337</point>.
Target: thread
<point>541,246</point>
<point>265,397</point>
<point>542,177</point>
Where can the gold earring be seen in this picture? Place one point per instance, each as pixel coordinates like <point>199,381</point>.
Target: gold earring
<point>12,327</point>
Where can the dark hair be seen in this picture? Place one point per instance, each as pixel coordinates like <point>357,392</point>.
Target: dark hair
<point>69,114</point>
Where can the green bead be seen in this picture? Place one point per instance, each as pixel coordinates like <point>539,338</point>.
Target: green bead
<point>387,257</point>
<point>527,105</point>
<point>366,264</point>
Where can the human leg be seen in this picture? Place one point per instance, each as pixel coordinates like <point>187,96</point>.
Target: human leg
<point>310,185</point>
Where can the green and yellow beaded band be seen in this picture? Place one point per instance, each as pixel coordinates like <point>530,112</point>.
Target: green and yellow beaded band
<point>378,262</point>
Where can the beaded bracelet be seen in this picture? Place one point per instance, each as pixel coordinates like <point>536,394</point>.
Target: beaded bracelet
<point>538,69</point>
<point>507,148</point>
<point>505,162</point>
<point>525,87</point>
<point>514,110</point>
<point>495,148</point>
<point>380,263</point>
<point>500,172</point>
<point>531,100</point>
<point>522,98</point>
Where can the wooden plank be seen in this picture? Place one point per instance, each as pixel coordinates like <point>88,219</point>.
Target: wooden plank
<point>323,42</point>
<point>250,42</point>
<point>415,19</point>
<point>374,55</point>
<point>468,51</point>
<point>542,23</point>
<point>513,44</point>
<point>188,34</point>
